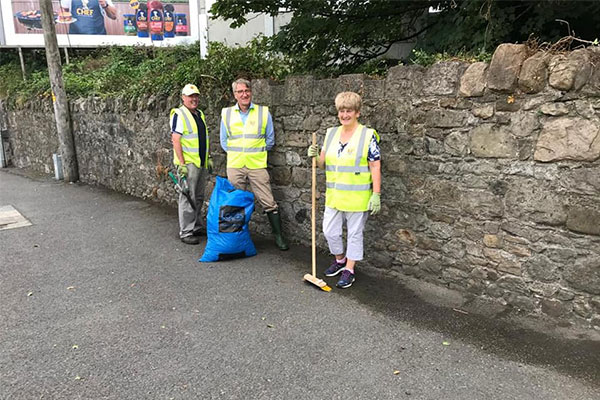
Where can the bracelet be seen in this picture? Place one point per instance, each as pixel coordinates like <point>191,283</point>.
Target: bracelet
<point>105,7</point>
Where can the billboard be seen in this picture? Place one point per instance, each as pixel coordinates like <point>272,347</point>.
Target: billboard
<point>88,23</point>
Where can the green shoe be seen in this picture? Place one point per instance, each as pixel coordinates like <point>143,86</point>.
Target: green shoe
<point>281,243</point>
<point>275,221</point>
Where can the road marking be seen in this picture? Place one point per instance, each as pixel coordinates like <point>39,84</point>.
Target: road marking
<point>11,218</point>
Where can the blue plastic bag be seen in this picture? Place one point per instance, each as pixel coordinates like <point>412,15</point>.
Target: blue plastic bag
<point>227,230</point>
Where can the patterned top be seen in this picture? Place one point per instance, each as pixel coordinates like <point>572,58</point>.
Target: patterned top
<point>374,152</point>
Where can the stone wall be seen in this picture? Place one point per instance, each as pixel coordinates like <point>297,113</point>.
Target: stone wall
<point>491,178</point>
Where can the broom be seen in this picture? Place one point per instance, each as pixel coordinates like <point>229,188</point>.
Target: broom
<point>308,277</point>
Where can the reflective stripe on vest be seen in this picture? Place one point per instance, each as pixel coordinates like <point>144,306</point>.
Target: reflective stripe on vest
<point>246,143</point>
<point>247,150</point>
<point>351,188</point>
<point>348,176</point>
<point>190,145</point>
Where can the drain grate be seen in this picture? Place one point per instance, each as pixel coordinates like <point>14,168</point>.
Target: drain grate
<point>11,218</point>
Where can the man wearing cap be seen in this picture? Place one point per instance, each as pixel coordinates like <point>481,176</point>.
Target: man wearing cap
<point>246,135</point>
<point>191,156</point>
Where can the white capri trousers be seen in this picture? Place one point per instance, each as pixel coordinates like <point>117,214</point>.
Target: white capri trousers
<point>333,221</point>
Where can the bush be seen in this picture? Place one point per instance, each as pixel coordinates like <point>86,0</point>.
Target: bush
<point>142,71</point>
<point>422,57</point>
<point>133,72</point>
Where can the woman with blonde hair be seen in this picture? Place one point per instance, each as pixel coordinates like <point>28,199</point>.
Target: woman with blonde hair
<point>352,162</point>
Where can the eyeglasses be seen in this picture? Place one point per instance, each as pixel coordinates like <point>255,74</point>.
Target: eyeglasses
<point>246,91</point>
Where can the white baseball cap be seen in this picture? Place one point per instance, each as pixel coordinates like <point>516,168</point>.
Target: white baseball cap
<point>189,90</point>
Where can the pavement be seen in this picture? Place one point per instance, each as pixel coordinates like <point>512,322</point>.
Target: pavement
<point>100,300</point>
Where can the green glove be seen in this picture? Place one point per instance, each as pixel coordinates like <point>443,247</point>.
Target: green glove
<point>209,165</point>
<point>182,171</point>
<point>375,203</point>
<point>313,150</point>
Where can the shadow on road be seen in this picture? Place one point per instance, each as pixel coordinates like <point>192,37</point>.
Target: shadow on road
<point>503,334</point>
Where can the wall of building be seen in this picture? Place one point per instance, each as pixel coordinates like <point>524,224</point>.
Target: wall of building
<point>258,24</point>
<point>491,173</point>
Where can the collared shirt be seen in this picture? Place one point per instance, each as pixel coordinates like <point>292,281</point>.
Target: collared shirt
<point>270,139</point>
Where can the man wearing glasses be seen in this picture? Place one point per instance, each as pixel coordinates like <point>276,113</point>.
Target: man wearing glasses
<point>246,136</point>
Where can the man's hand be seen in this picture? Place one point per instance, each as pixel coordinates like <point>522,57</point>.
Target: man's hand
<point>375,203</point>
<point>210,165</point>
<point>111,12</point>
<point>313,150</point>
<point>182,171</point>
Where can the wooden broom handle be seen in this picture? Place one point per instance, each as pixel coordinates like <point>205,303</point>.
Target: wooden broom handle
<point>313,208</point>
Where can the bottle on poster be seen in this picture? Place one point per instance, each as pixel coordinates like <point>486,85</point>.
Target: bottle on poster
<point>181,26</point>
<point>156,20</point>
<point>129,24</point>
<point>169,17</point>
<point>141,20</point>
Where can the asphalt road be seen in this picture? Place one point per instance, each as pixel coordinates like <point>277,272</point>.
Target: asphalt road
<point>100,300</point>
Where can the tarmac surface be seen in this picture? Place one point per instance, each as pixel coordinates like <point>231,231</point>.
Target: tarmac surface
<point>100,300</point>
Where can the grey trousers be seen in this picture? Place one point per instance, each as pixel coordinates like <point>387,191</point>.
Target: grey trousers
<point>190,221</point>
<point>333,225</point>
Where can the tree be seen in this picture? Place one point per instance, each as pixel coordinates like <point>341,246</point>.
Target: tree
<point>481,25</point>
<point>344,33</point>
<point>347,33</point>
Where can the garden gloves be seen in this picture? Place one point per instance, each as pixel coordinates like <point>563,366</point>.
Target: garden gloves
<point>313,150</point>
<point>182,171</point>
<point>375,203</point>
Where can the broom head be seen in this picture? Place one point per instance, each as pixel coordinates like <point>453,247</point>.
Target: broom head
<point>320,283</point>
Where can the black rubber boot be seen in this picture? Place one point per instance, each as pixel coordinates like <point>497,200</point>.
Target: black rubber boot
<point>275,220</point>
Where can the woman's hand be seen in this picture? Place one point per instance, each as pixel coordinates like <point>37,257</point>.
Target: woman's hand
<point>375,203</point>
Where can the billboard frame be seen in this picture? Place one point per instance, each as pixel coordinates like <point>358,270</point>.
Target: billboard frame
<point>36,40</point>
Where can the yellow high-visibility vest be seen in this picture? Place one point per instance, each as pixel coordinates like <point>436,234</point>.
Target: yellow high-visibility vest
<point>349,182</point>
<point>190,144</point>
<point>246,143</point>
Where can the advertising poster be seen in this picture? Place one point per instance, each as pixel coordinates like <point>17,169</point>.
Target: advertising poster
<point>103,22</point>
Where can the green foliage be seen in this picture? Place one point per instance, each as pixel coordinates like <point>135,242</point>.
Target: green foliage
<point>376,68</point>
<point>12,86</point>
<point>323,38</point>
<point>141,71</point>
<point>39,84</point>
<point>8,55</point>
<point>333,36</point>
<point>484,24</point>
<point>422,57</point>
<point>78,80</point>
<point>11,78</point>
<point>254,61</point>
<point>326,36</point>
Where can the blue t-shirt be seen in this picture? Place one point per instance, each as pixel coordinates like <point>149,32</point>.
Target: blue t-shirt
<point>89,18</point>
